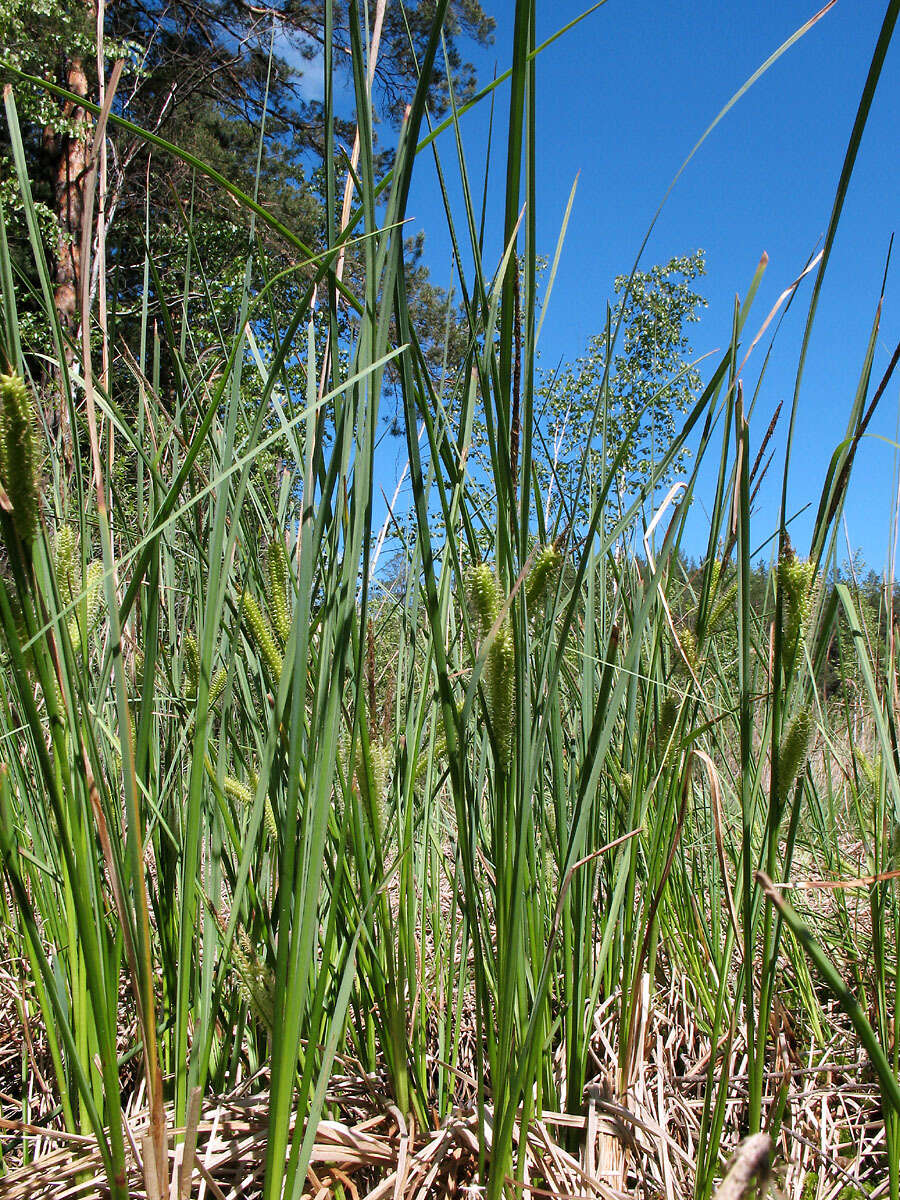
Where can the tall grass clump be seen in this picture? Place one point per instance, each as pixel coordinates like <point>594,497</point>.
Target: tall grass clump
<point>469,831</point>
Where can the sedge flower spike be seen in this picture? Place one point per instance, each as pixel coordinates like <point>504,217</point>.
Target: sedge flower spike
<point>794,750</point>
<point>483,595</point>
<point>191,671</point>
<point>724,605</point>
<point>484,598</point>
<point>66,549</point>
<point>501,683</point>
<point>542,575</point>
<point>85,596</point>
<point>94,594</point>
<point>19,455</point>
<point>797,580</point>
<point>261,635</point>
<point>690,652</point>
<point>381,758</point>
<point>277,584</point>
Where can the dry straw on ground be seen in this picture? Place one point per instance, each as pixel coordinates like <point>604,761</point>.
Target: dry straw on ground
<point>642,1142</point>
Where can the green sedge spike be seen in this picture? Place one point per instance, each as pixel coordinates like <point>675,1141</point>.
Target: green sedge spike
<point>542,576</point>
<point>139,665</point>
<point>690,654</point>
<point>19,455</point>
<point>262,636</point>
<point>91,606</point>
<point>277,567</point>
<point>243,795</point>
<point>217,685</point>
<point>74,627</point>
<point>256,982</point>
<point>235,790</point>
<point>714,575</point>
<point>95,595</point>
<point>191,675</point>
<point>667,715</point>
<point>797,580</point>
<point>268,810</point>
<point>724,605</point>
<point>501,684</point>
<point>382,758</point>
<point>484,599</point>
<point>21,627</point>
<point>269,818</point>
<point>870,771</point>
<point>88,600</point>
<point>794,750</point>
<point>65,553</point>
<point>483,596</point>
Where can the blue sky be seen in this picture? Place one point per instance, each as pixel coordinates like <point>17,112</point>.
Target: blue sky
<point>621,100</point>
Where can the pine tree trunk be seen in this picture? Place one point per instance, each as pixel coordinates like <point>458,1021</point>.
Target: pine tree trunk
<point>71,179</point>
<point>70,183</point>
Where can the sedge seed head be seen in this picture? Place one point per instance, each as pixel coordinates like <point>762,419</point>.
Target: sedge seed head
<point>256,982</point>
<point>719,608</point>
<point>797,578</point>
<point>798,582</point>
<point>93,586</point>
<point>483,596</point>
<point>19,455</point>
<point>277,582</point>
<point>139,665</point>
<point>667,715</point>
<point>690,653</point>
<point>381,758</point>
<point>542,576</point>
<point>217,686</point>
<point>794,750</point>
<point>65,554</point>
<point>235,790</point>
<point>869,770</point>
<point>715,572</point>
<point>501,685</point>
<point>485,599</point>
<point>261,635</point>
<point>269,818</point>
<point>191,677</point>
